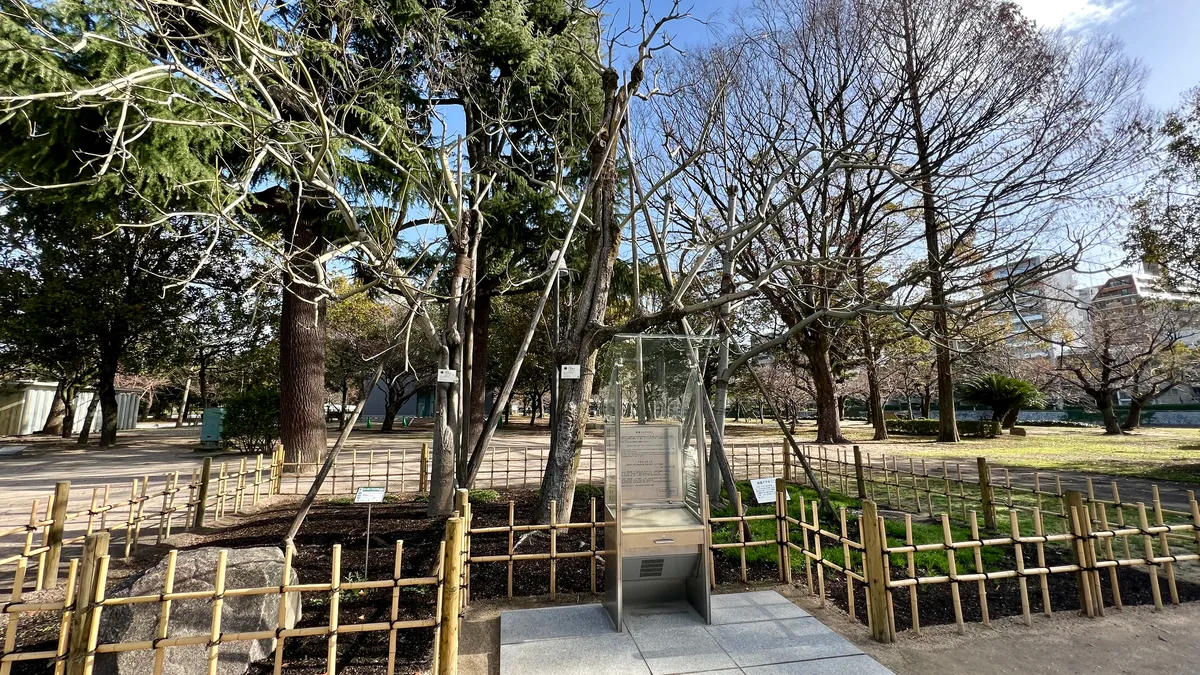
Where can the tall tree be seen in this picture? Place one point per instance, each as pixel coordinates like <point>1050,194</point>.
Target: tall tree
<point>1006,126</point>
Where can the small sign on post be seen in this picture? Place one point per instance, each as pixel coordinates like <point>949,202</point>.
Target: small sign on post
<point>447,376</point>
<point>369,496</point>
<point>764,490</point>
<point>570,372</point>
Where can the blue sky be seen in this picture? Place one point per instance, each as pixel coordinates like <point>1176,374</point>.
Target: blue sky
<point>1160,33</point>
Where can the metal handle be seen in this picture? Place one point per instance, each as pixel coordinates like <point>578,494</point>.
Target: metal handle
<point>664,540</point>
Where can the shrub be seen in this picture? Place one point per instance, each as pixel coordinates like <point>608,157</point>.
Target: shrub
<point>251,421</point>
<point>1004,395</point>
<point>483,496</point>
<point>1056,423</point>
<point>586,491</point>
<point>926,427</point>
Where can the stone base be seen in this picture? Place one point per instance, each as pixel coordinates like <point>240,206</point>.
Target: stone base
<point>759,633</point>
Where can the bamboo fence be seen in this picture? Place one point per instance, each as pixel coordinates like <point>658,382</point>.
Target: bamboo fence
<point>862,558</point>
<point>130,514</point>
<point>78,614</point>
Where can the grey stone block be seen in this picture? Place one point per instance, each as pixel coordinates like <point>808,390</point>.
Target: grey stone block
<point>523,625</point>
<point>680,649</point>
<point>610,654</point>
<point>860,664</point>
<point>766,642</point>
<point>195,570</point>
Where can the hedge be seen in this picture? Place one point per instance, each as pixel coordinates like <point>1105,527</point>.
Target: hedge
<point>1056,423</point>
<point>251,421</point>
<point>927,427</point>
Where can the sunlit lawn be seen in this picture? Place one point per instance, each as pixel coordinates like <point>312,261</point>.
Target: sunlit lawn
<point>1159,453</point>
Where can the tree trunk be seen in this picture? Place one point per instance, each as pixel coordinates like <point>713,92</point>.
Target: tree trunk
<point>391,406</point>
<point>480,330</point>
<point>947,424</point>
<point>183,405</point>
<point>829,427</point>
<point>54,420</point>
<point>926,404</point>
<point>203,382</point>
<point>345,401</point>
<point>69,394</point>
<point>1104,401</point>
<point>441,488</point>
<point>1134,419</point>
<point>874,391</point>
<point>302,353</point>
<point>86,432</point>
<point>1010,418</point>
<point>106,390</point>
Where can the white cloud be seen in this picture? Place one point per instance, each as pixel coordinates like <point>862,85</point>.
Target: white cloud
<point>1072,13</point>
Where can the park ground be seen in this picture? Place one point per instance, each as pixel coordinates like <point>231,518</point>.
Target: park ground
<point>1168,457</point>
<point>1134,640</point>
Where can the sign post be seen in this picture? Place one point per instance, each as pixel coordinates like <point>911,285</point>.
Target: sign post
<point>369,496</point>
<point>571,372</point>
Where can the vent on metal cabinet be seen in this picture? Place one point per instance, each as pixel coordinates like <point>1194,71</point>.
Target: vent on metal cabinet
<point>651,567</point>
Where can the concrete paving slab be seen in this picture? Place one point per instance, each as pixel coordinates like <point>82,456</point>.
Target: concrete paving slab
<point>767,642</point>
<point>680,649</point>
<point>524,625</point>
<point>763,606</point>
<point>753,598</point>
<point>673,615</point>
<point>612,654</point>
<point>763,636</point>
<point>860,664</point>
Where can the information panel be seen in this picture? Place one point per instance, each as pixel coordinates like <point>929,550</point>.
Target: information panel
<point>649,460</point>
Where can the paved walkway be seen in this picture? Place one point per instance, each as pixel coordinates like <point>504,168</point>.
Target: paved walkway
<point>757,633</point>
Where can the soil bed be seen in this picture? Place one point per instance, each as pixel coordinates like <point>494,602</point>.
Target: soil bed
<point>327,524</point>
<point>338,522</point>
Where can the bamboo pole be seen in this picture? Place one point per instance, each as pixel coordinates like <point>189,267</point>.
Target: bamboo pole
<point>164,612</point>
<point>54,534</point>
<point>214,635</point>
<point>873,545</point>
<point>95,555</point>
<point>281,616</point>
<point>447,647</point>
<point>952,567</point>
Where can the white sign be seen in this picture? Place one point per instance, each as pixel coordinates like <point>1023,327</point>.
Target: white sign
<point>570,372</point>
<point>764,490</point>
<point>448,375</point>
<point>370,495</point>
<point>649,462</point>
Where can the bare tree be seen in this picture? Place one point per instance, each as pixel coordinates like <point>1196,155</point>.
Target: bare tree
<point>1006,126</point>
<point>1131,345</point>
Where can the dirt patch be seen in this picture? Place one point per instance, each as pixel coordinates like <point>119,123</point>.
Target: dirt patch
<point>327,525</point>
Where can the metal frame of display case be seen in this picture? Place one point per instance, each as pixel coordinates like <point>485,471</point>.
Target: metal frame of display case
<point>663,556</point>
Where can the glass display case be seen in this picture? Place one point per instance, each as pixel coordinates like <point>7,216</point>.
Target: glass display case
<point>656,531</point>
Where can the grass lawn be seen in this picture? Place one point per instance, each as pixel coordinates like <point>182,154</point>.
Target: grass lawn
<point>924,532</point>
<point>1154,452</point>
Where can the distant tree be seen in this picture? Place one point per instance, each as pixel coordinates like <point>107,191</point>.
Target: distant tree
<point>1166,224</point>
<point>1125,343</point>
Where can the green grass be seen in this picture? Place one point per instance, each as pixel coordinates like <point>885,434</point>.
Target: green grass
<point>1156,453</point>
<point>924,532</point>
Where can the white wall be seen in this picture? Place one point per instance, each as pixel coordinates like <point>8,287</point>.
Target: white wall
<point>25,405</point>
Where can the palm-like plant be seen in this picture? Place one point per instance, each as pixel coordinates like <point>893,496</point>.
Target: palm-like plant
<point>1004,395</point>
